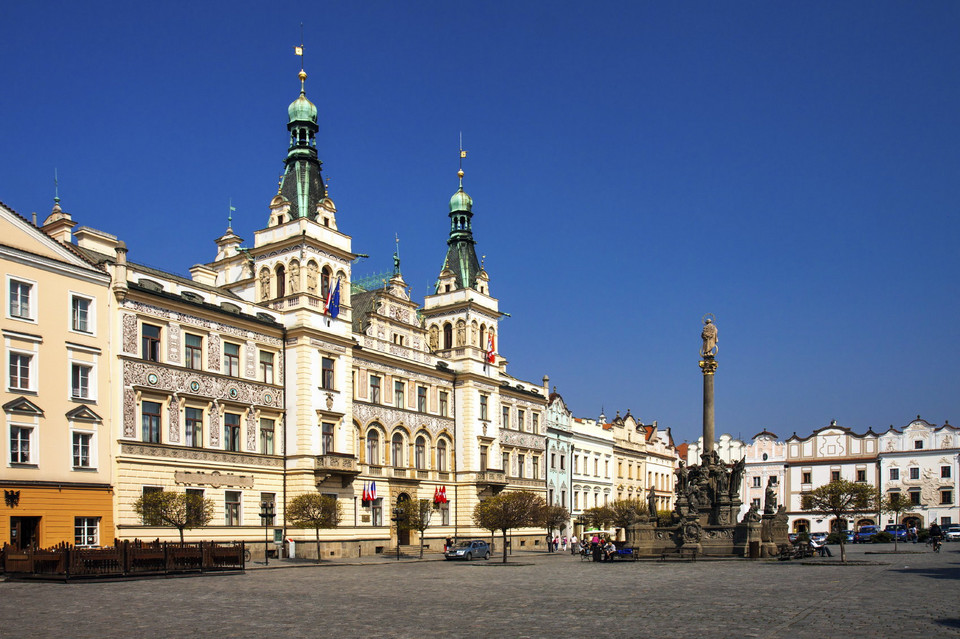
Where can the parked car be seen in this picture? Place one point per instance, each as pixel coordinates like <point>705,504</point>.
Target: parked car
<point>865,534</point>
<point>899,531</point>
<point>849,536</point>
<point>469,550</point>
<point>951,532</point>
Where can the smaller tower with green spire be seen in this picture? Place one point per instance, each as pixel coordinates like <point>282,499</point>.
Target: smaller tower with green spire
<point>302,182</point>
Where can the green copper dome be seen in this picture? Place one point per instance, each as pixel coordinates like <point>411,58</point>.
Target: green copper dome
<point>302,109</point>
<point>461,202</point>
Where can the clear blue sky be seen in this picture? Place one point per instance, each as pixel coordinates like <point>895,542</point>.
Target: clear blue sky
<point>793,168</point>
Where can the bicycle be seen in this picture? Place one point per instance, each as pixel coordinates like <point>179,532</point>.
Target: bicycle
<point>936,544</point>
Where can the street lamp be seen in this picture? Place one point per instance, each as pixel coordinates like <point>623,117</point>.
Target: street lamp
<point>398,516</point>
<point>267,512</point>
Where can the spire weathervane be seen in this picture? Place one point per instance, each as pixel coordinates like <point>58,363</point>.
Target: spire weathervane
<point>230,211</point>
<point>396,256</point>
<point>463,154</point>
<point>298,50</point>
<point>56,187</point>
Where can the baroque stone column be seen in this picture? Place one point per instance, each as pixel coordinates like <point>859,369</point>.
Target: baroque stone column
<point>708,351</point>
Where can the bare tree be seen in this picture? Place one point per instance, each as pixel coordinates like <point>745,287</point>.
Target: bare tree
<point>179,510</point>
<point>508,510</point>
<point>839,499</point>
<point>313,510</point>
<point>625,512</point>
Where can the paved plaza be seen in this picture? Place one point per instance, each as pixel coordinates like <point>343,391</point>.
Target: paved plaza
<point>537,595</point>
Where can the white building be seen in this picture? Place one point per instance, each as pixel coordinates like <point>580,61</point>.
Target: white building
<point>592,472</point>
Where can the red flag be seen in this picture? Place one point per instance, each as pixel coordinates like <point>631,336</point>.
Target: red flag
<point>491,356</point>
<point>366,495</point>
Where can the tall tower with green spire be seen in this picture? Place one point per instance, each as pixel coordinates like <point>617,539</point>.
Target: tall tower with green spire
<point>461,260</point>
<point>302,182</point>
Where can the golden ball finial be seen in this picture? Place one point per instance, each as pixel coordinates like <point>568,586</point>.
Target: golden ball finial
<point>303,75</point>
<point>460,174</point>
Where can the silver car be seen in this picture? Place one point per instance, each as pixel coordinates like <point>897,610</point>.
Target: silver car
<point>469,550</point>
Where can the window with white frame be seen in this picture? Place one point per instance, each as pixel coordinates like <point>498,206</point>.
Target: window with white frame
<point>81,314</point>
<point>267,431</point>
<point>86,531</point>
<point>21,377</point>
<point>21,445</point>
<point>22,304</point>
<point>80,381</point>
<point>914,472</point>
<point>150,342</point>
<point>946,497</point>
<point>944,472</point>
<point>150,422</point>
<point>894,474</point>
<point>398,388</point>
<point>82,449</point>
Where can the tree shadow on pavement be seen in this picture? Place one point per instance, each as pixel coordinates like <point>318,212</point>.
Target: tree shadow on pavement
<point>940,572</point>
<point>949,623</point>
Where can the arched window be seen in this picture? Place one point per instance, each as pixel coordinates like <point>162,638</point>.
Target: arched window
<point>474,335</point>
<point>324,281</point>
<point>281,281</point>
<point>373,447</point>
<point>396,450</point>
<point>483,336</point>
<point>442,455</point>
<point>448,335</point>
<point>420,453</point>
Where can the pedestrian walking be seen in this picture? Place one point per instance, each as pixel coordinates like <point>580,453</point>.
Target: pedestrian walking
<point>563,543</point>
<point>574,545</point>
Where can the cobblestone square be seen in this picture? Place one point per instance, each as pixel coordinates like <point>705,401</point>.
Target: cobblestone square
<point>537,595</point>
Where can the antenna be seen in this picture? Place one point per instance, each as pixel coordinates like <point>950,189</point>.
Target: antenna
<point>298,50</point>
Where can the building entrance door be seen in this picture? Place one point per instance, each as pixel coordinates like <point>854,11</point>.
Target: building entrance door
<point>24,532</point>
<point>403,535</point>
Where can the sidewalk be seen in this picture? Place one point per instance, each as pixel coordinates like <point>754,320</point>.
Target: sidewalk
<point>366,560</point>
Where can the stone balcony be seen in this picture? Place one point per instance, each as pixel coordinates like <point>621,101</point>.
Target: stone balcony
<point>336,465</point>
<point>492,477</point>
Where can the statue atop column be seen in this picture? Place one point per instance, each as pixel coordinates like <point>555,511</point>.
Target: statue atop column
<point>709,337</point>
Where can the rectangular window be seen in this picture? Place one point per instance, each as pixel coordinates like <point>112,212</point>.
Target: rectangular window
<point>757,482</point>
<point>945,472</point>
<point>834,475</point>
<point>861,475</point>
<point>505,462</point>
<point>553,460</point>
<point>563,498</point>
<point>20,371</point>
<point>915,473</point>
<point>20,303</point>
<point>576,500</point>
<point>193,351</point>
<point>918,444</point>
<point>444,404</point>
<point>807,477</point>
<point>193,427</point>
<point>231,432</point>
<point>521,420</point>
<point>327,437</point>
<point>596,467</point>
<point>536,422</point>
<point>376,512</point>
<point>483,458</point>
<point>946,497</point>
<point>606,468</point>
<point>80,314</point>
<point>755,502</point>
<point>150,342</point>
<point>267,431</point>
<point>20,437</point>
<point>326,373</point>
<point>521,464</point>
<point>483,407</point>
<point>894,474</point>
<point>374,389</point>
<point>398,394</point>
<point>231,359</point>
<point>506,417</point>
<point>576,464</point>
<point>422,399</point>
<point>80,381</point>
<point>266,367</point>
<point>231,507</point>
<point>914,497</point>
<point>194,506</point>
<point>536,467</point>
<point>86,531</point>
<point>444,514</point>
<point>81,450</point>
<point>562,457</point>
<point>150,422</point>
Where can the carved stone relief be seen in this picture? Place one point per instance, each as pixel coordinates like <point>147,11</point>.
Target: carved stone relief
<point>198,454</point>
<point>252,430</point>
<point>251,350</point>
<point>174,380</point>
<point>130,334</point>
<point>173,435</point>
<point>215,427</point>
<point>173,344</point>
<point>129,413</point>
<point>213,353</point>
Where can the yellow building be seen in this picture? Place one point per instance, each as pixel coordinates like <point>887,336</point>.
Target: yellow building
<point>56,468</point>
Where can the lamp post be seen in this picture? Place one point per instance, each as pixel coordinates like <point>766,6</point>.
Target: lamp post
<point>267,512</point>
<point>399,517</point>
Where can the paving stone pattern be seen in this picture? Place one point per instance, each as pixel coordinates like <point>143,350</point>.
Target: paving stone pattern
<point>539,595</point>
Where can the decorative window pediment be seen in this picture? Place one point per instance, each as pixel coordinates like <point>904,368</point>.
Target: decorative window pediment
<point>22,406</point>
<point>83,414</point>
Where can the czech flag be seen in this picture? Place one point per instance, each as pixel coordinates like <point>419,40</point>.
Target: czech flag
<point>332,305</point>
<point>491,353</point>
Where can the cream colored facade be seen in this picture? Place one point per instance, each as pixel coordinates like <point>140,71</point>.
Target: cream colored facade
<point>56,448</point>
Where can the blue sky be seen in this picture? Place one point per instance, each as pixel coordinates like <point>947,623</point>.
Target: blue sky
<point>792,168</point>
